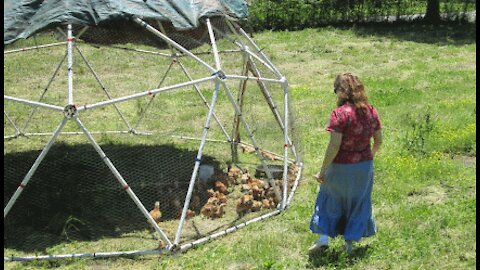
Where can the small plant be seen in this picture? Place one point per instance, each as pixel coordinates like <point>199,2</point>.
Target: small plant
<point>70,225</point>
<point>416,138</point>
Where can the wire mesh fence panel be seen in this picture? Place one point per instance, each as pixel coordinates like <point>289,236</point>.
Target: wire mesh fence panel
<point>190,140</point>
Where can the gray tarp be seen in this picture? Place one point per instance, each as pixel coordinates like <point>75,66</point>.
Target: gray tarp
<point>23,18</point>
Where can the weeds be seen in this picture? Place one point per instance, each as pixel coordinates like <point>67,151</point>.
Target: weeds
<point>417,137</point>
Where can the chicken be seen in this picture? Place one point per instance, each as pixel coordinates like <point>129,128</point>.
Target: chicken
<point>219,211</point>
<point>245,177</point>
<point>256,206</point>
<point>156,214</point>
<point>207,210</point>
<point>247,149</point>
<point>256,192</point>
<point>222,198</point>
<point>245,188</point>
<point>213,201</point>
<point>216,197</point>
<point>221,187</point>
<point>268,203</point>
<point>268,155</point>
<point>161,245</point>
<point>190,213</point>
<point>233,174</point>
<point>213,210</point>
<point>244,204</point>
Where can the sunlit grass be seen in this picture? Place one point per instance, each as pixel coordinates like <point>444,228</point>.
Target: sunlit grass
<point>425,183</point>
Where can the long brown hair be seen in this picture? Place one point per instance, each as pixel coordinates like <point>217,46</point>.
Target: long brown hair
<point>350,85</point>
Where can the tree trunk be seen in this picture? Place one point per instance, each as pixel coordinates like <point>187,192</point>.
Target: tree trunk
<point>433,11</point>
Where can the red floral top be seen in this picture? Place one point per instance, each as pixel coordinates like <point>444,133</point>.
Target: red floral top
<point>356,132</point>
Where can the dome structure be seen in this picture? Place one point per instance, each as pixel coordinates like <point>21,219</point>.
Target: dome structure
<point>112,111</point>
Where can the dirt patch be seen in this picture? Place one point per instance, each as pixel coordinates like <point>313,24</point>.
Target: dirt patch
<point>431,195</point>
<point>468,161</point>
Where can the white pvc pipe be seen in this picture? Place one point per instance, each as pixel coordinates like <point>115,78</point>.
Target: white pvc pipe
<point>273,106</point>
<point>125,121</point>
<point>258,49</point>
<point>35,47</point>
<point>295,185</point>
<point>214,45</point>
<point>173,43</point>
<point>287,143</point>
<point>242,86</point>
<point>44,92</point>
<point>85,255</point>
<point>250,78</point>
<point>17,131</point>
<point>70,63</point>
<point>197,163</point>
<point>247,50</point>
<point>122,181</point>
<point>229,230</point>
<point>91,132</point>
<point>34,103</point>
<point>204,100</point>
<point>140,50</point>
<point>145,93</point>
<point>254,141</point>
<point>153,97</point>
<point>34,167</point>
<point>198,139</point>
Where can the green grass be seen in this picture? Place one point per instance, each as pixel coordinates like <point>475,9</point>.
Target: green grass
<point>422,81</point>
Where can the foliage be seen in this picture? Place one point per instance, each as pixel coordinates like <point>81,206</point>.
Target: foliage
<point>300,14</point>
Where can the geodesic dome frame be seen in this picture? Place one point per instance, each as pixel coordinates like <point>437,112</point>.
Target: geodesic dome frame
<point>163,35</point>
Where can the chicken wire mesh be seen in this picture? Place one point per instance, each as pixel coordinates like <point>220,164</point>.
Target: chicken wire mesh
<point>74,203</point>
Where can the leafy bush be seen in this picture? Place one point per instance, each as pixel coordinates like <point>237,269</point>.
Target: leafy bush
<point>300,14</point>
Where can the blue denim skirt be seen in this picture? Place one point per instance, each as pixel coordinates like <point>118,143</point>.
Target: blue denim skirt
<point>344,202</point>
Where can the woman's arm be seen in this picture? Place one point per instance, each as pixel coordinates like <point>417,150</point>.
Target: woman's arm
<point>330,154</point>
<point>377,141</point>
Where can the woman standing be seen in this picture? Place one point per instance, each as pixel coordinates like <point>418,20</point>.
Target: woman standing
<point>343,205</point>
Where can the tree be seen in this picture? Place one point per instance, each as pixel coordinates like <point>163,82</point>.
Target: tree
<point>433,11</point>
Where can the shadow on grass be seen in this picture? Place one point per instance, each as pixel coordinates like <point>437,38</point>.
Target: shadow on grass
<point>444,33</point>
<point>337,257</point>
<point>73,195</point>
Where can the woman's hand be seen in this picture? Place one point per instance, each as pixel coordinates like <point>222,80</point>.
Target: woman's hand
<point>320,177</point>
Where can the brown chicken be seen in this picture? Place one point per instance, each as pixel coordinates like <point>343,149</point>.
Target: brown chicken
<point>216,197</point>
<point>247,149</point>
<point>269,156</point>
<point>244,178</point>
<point>257,193</point>
<point>221,187</point>
<point>219,211</point>
<point>161,245</point>
<point>222,198</point>
<point>190,213</point>
<point>268,203</point>
<point>207,210</point>
<point>155,213</point>
<point>256,206</point>
<point>244,204</point>
<point>234,172</point>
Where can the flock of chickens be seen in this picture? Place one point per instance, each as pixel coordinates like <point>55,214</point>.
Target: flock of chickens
<point>256,194</point>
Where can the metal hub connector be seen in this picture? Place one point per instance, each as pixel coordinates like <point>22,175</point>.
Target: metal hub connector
<point>70,110</point>
<point>221,75</point>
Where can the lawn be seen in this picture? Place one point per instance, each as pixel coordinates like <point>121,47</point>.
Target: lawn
<point>422,80</point>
